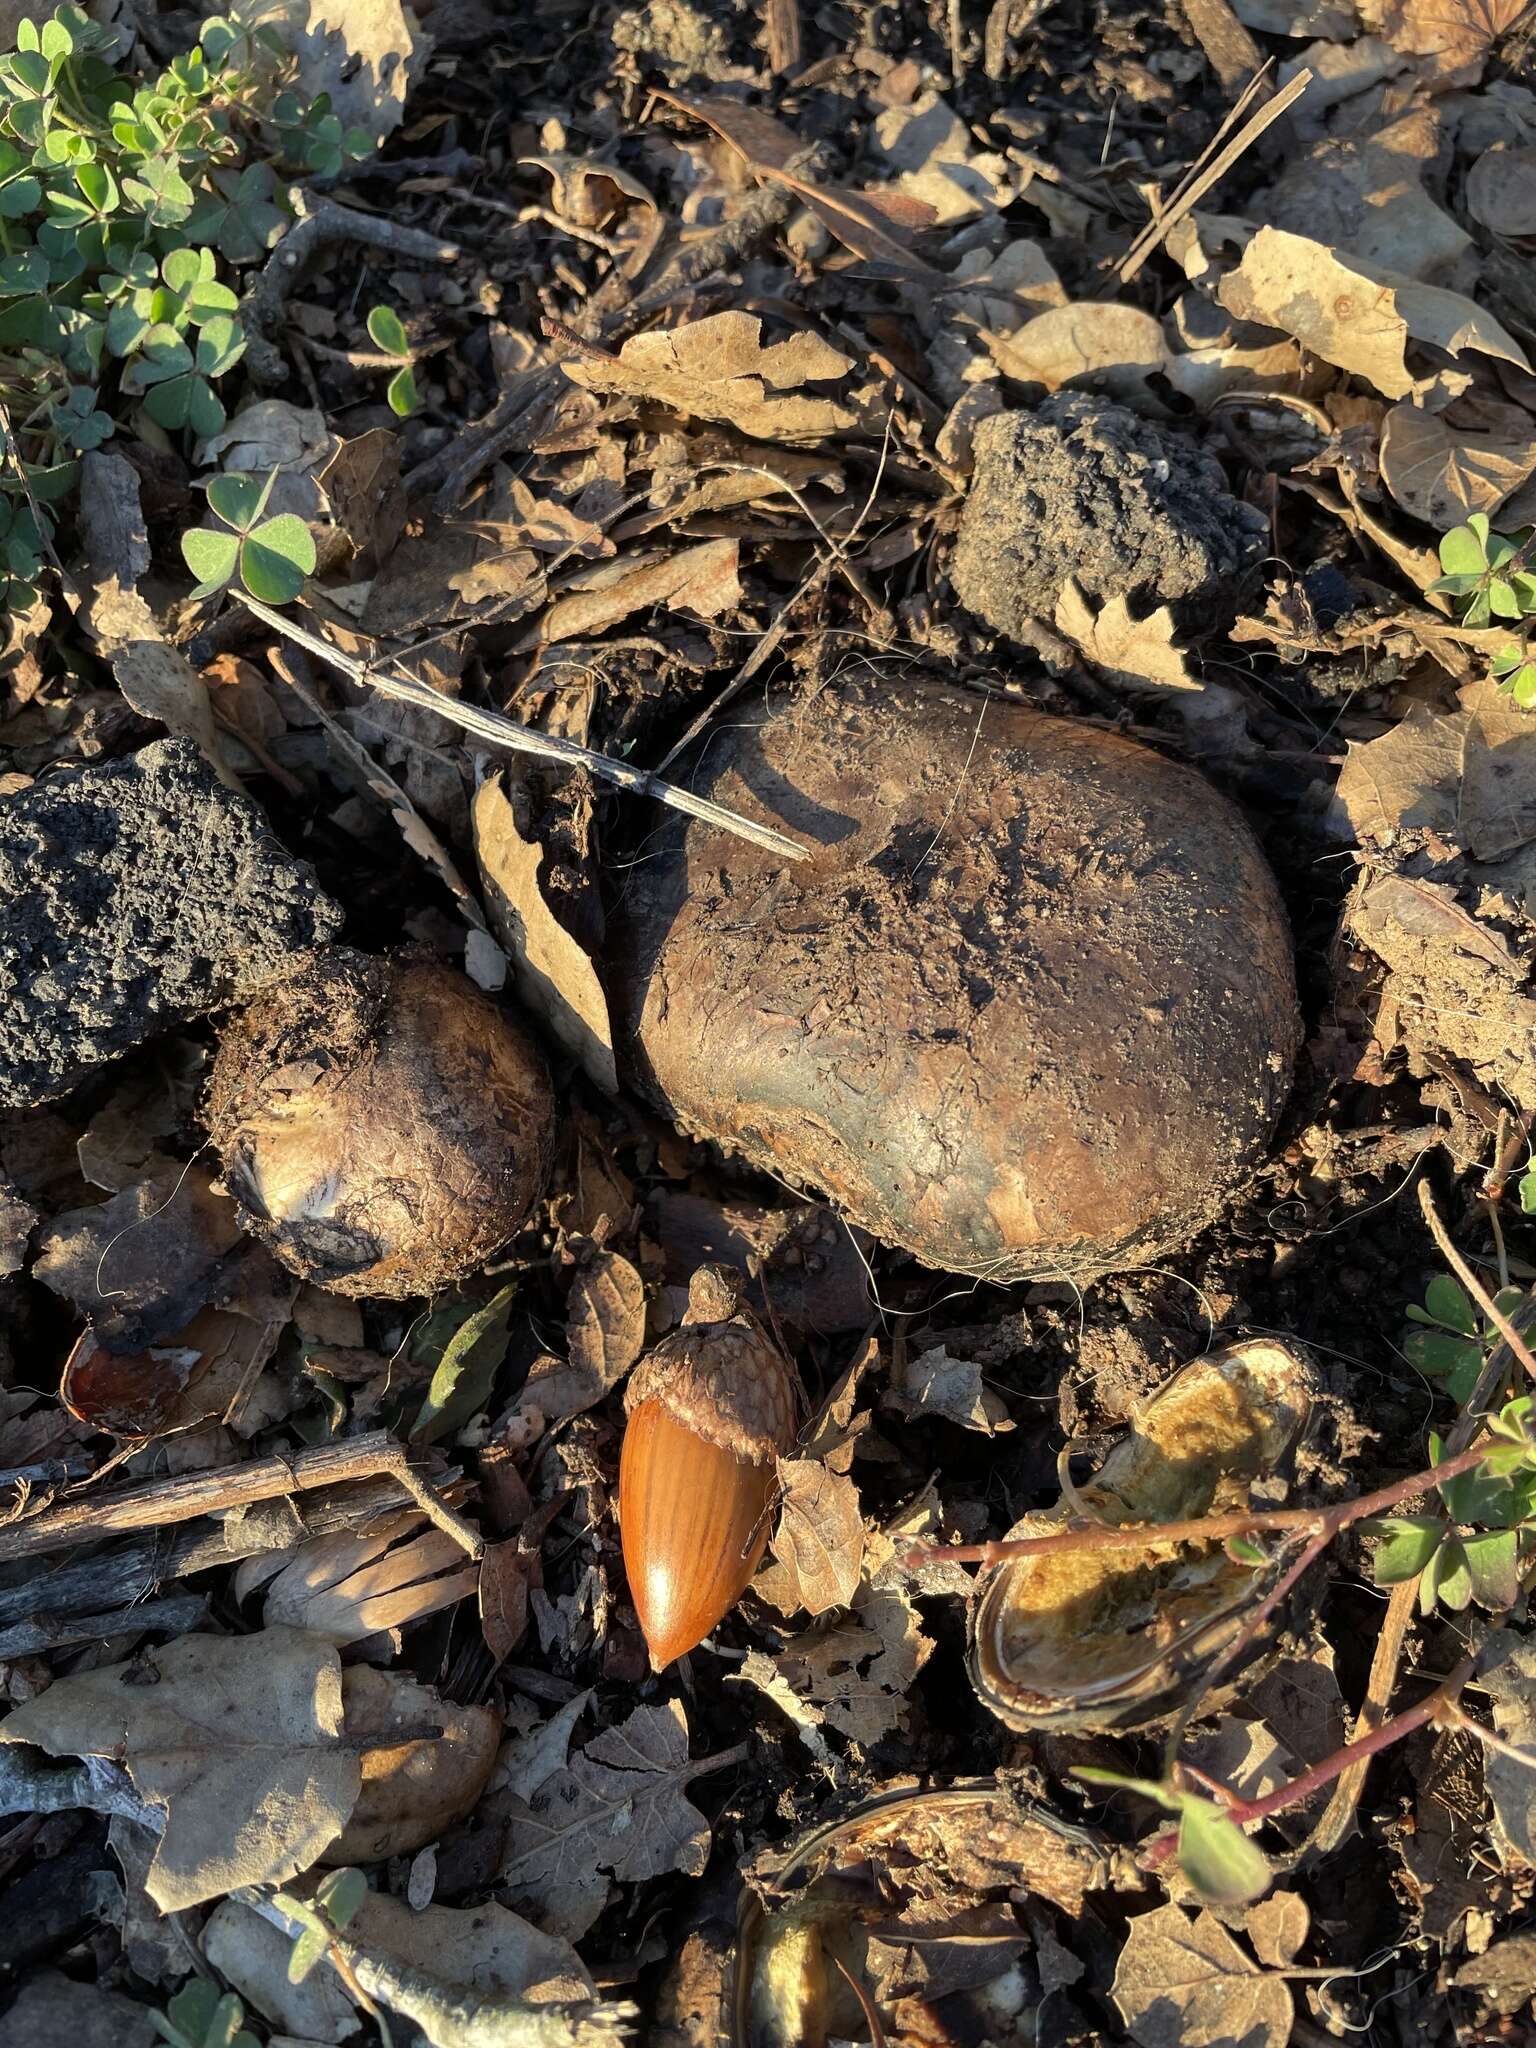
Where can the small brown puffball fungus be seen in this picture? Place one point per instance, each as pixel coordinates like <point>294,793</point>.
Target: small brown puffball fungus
<point>1028,1009</point>
<point>383,1126</point>
<point>709,1412</point>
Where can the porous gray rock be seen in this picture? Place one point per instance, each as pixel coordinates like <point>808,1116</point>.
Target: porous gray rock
<point>1092,491</point>
<point>134,896</point>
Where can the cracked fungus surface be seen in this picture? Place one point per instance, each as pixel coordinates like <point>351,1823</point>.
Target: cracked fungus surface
<point>1029,1008</point>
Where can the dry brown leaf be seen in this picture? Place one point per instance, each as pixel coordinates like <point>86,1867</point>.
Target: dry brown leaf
<point>1453,37</point>
<point>1363,196</point>
<point>556,976</point>
<point>363,53</point>
<point>238,1739</point>
<point>1439,473</point>
<point>718,369</point>
<point>1467,776</point>
<point>1187,1984</point>
<point>860,221</point>
<point>362,486</point>
<point>605,1319</point>
<point>820,1536</point>
<point>1111,347</point>
<point>553,528</point>
<point>1277,1927</point>
<point>414,1789</point>
<point>1355,315</point>
<point>699,579</point>
<point>140,1266</point>
<point>586,192</point>
<point>859,1671</point>
<point>156,679</point>
<point>936,1384</point>
<point>619,1806</point>
<point>1501,191</point>
<point>760,1670</point>
<point>506,1571</point>
<point>1135,653</point>
<point>605,1332</point>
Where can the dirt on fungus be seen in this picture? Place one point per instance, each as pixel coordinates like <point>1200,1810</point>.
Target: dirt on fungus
<point>383,1125</point>
<point>1027,1009</point>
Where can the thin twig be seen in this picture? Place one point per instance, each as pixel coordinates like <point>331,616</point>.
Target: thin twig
<point>1297,1790</point>
<point>160,1502</point>
<point>1473,1285</point>
<point>1079,1536</point>
<point>1156,232</point>
<point>501,731</point>
<point>321,226</point>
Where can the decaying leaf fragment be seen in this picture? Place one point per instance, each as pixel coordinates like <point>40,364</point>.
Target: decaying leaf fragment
<point>1134,653</point>
<point>238,1739</point>
<point>1354,313</point>
<point>820,1537</point>
<point>619,1806</point>
<point>718,369</point>
<point>1185,1983</point>
<point>1119,1637</point>
<point>934,1384</point>
<point>1102,344</point>
<point>699,579</point>
<point>414,1787</point>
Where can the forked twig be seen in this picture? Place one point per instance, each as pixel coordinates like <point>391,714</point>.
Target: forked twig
<point>501,731</point>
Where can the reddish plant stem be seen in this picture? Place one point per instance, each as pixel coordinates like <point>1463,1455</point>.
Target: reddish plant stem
<point>1244,1811</point>
<point>1316,1522</point>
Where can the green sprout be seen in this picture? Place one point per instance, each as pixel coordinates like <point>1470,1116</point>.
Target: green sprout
<point>200,2017</point>
<point>389,338</point>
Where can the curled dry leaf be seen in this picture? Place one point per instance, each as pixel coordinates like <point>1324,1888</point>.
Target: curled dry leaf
<point>340,1589</point>
<point>699,579</point>
<point>238,1739</point>
<point>1185,1983</point>
<point>718,369</point>
<point>933,1383</point>
<point>1106,346</point>
<point>820,1537</point>
<point>556,975</point>
<point>1136,654</point>
<point>1355,314</point>
<point>1439,473</point>
<point>412,1788</point>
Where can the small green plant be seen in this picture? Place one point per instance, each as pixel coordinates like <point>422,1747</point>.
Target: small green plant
<point>200,2017</point>
<point>1452,1339</point>
<point>272,556</point>
<point>389,338</point>
<point>127,209</point>
<point>334,1905</point>
<point>1478,1544</point>
<point>1219,1860</point>
<point>1491,576</point>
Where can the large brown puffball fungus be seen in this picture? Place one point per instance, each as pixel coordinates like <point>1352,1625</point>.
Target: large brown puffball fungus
<point>1029,1008</point>
<point>383,1126</point>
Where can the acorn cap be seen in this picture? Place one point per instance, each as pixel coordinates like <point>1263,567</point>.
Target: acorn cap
<point>720,1374</point>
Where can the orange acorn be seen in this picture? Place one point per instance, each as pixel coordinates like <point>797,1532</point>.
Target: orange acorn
<point>710,1411</point>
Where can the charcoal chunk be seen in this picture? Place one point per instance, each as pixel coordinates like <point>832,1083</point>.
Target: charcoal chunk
<point>1092,491</point>
<point>134,896</point>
